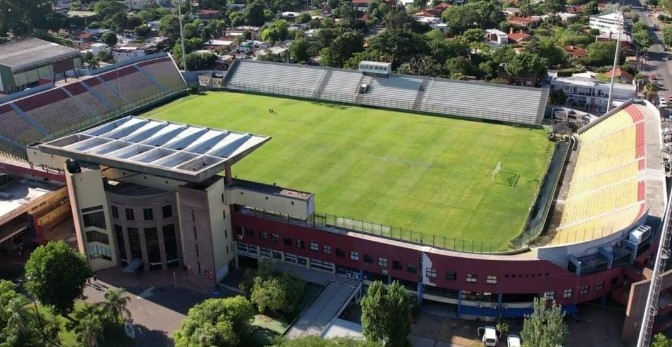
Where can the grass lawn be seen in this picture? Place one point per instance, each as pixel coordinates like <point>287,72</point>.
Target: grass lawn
<point>423,173</point>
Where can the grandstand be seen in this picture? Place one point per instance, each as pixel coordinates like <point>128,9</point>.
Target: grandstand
<point>86,101</point>
<point>501,103</point>
<point>607,191</point>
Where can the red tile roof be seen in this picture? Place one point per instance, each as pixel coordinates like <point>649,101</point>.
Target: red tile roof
<point>576,52</point>
<point>517,37</point>
<point>622,74</point>
<point>522,20</point>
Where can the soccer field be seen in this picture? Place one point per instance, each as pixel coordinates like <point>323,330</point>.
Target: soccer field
<point>427,174</point>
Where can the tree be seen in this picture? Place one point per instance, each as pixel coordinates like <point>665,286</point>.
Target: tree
<point>545,327</point>
<point>303,17</point>
<point>116,303</point>
<point>299,50</point>
<point>342,48</point>
<point>602,53</point>
<point>473,35</point>
<point>316,341</point>
<point>400,44</point>
<point>254,14</point>
<point>459,65</point>
<point>554,6</point>
<point>216,322</point>
<point>105,9</point>
<point>110,39</point>
<point>277,293</point>
<point>88,326</point>
<point>276,32</point>
<point>526,64</point>
<point>386,313</point>
<point>548,49</point>
<point>667,35</point>
<point>661,340</point>
<point>56,275</point>
<point>651,91</point>
<point>17,319</point>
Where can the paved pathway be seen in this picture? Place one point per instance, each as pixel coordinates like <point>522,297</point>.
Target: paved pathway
<point>157,310</point>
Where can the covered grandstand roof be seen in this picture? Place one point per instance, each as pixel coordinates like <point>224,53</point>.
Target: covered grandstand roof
<point>176,151</point>
<point>30,52</point>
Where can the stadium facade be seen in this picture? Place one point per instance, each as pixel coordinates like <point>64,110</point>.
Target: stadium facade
<point>147,194</point>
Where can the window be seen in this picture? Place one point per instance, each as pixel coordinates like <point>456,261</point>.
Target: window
<point>549,295</point>
<point>382,261</point>
<point>223,214</point>
<point>430,272</point>
<point>299,244</point>
<point>567,293</point>
<point>396,265</point>
<point>583,290</point>
<point>265,252</point>
<point>491,279</point>
<point>411,268</point>
<point>95,219</point>
<point>277,255</point>
<point>314,246</point>
<point>263,235</point>
<point>340,252</point>
<point>288,241</point>
<point>275,237</point>
<point>129,214</point>
<point>326,249</point>
<point>368,259</point>
<point>290,258</point>
<point>101,252</point>
<point>148,213</point>
<point>97,236</point>
<point>451,275</point>
<point>471,278</point>
<point>167,211</point>
<point>354,255</point>
<point>115,212</point>
<point>599,286</point>
<point>92,209</point>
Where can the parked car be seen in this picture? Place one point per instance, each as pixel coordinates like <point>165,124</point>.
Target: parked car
<point>489,335</point>
<point>663,103</point>
<point>513,340</point>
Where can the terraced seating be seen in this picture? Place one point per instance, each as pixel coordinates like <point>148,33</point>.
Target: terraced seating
<point>398,92</point>
<point>341,86</point>
<point>607,191</point>
<point>102,89</point>
<point>81,95</point>
<point>14,127</point>
<point>164,71</point>
<point>133,85</point>
<point>275,78</point>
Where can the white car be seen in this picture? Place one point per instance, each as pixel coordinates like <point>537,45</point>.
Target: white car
<point>663,103</point>
<point>513,340</point>
<point>490,336</point>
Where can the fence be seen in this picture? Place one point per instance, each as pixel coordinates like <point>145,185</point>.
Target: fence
<point>388,103</point>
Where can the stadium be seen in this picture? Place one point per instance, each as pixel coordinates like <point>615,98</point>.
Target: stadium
<point>452,188</point>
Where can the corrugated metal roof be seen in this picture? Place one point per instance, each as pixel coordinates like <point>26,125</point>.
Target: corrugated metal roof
<point>20,54</point>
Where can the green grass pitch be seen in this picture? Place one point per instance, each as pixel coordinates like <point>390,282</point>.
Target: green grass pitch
<point>427,174</point>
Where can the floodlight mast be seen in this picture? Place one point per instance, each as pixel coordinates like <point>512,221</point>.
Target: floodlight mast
<point>184,52</point>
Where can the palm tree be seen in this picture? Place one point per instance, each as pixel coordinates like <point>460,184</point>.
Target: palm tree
<point>651,91</point>
<point>115,303</point>
<point>89,326</point>
<point>18,314</point>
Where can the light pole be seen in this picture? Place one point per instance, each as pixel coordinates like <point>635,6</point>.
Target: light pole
<point>613,69</point>
<point>184,53</point>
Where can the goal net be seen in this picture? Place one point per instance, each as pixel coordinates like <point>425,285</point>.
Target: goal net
<point>497,169</point>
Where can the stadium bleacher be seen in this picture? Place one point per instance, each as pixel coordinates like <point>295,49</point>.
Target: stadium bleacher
<point>607,190</point>
<point>84,102</point>
<point>512,104</point>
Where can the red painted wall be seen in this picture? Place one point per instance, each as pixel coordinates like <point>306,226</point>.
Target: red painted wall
<point>531,276</point>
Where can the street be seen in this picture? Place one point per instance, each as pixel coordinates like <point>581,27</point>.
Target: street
<point>655,63</point>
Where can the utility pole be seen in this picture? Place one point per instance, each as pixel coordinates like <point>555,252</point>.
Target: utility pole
<point>613,69</point>
<point>184,52</point>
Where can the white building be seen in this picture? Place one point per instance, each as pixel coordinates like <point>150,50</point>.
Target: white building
<point>591,94</point>
<point>99,47</point>
<point>125,53</point>
<point>607,23</point>
<point>496,37</point>
<point>138,4</point>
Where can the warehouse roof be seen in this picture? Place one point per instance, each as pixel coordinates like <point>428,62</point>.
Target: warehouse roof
<point>29,52</point>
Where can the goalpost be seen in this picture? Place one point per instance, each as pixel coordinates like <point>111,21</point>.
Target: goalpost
<point>497,169</point>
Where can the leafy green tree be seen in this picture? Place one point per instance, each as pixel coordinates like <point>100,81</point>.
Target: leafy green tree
<point>142,30</point>
<point>545,327</point>
<point>88,326</point>
<point>602,53</point>
<point>303,18</point>
<point>473,35</point>
<point>116,304</point>
<point>548,49</point>
<point>386,313</point>
<point>554,6</point>
<point>369,55</point>
<point>105,9</point>
<point>299,50</point>
<point>651,91</point>
<point>254,14</point>
<point>110,39</point>
<point>316,341</point>
<point>56,275</point>
<point>276,32</point>
<point>18,318</point>
<point>342,48</point>
<point>661,340</point>
<point>480,14</point>
<point>400,44</point>
<point>667,35</point>
<point>216,322</point>
<point>277,293</point>
<point>526,64</point>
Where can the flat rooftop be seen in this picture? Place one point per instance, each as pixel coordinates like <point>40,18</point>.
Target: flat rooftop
<point>177,151</point>
<point>25,53</point>
<point>18,193</point>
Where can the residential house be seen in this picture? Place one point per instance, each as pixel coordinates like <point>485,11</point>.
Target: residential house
<point>523,22</point>
<point>427,17</point>
<point>576,52</point>
<point>607,23</point>
<point>496,37</point>
<point>563,16</point>
<point>518,38</point>
<point>209,14</point>
<point>512,11</point>
<point>620,75</point>
<point>625,39</point>
<point>591,94</point>
<point>81,37</point>
<point>575,9</point>
<point>139,4</point>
